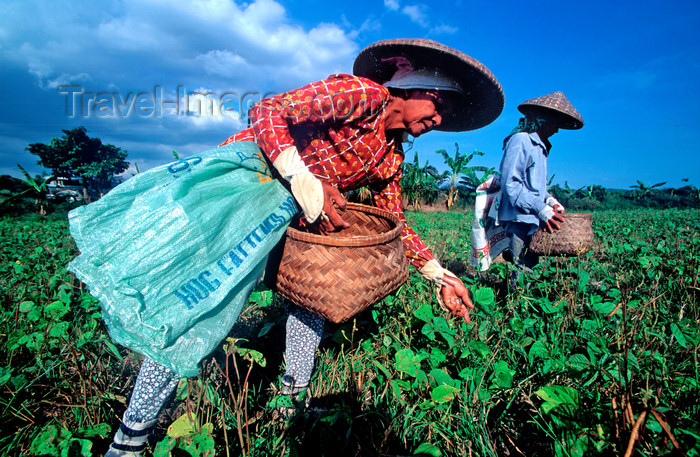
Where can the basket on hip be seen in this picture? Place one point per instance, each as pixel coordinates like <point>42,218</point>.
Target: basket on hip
<point>340,274</point>
<point>575,237</point>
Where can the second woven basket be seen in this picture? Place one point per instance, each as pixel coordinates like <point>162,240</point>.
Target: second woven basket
<point>340,274</point>
<point>575,237</point>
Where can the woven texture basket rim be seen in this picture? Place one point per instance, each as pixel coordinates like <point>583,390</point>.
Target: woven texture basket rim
<point>352,241</point>
<point>578,215</point>
<point>337,277</point>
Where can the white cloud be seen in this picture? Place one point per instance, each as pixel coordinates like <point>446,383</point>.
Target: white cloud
<point>141,43</point>
<point>132,34</point>
<point>392,4</point>
<point>265,13</point>
<point>222,63</point>
<point>65,79</point>
<point>370,24</point>
<point>38,67</point>
<point>444,29</point>
<point>417,14</point>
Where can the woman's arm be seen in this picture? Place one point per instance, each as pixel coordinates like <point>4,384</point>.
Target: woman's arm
<point>388,197</point>
<point>336,100</point>
<point>451,293</point>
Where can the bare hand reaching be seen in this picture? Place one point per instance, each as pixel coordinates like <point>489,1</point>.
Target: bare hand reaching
<point>455,297</point>
<point>330,220</point>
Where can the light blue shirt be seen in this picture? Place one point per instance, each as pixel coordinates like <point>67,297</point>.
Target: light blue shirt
<point>523,179</point>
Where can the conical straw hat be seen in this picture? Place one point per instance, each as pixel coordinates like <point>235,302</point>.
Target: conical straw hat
<point>554,103</point>
<point>484,95</point>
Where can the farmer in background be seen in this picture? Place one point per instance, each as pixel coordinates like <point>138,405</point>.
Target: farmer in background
<point>525,204</point>
<point>339,134</point>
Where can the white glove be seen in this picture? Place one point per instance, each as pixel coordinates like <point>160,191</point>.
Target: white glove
<point>306,188</point>
<point>433,272</point>
<point>551,201</point>
<point>546,213</point>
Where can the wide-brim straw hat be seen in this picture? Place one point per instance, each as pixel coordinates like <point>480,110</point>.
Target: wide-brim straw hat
<point>555,104</point>
<point>484,94</point>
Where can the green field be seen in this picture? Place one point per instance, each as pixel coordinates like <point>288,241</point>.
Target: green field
<point>594,355</point>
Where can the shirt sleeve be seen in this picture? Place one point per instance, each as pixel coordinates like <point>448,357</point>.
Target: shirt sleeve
<point>338,99</point>
<point>389,198</point>
<point>514,171</point>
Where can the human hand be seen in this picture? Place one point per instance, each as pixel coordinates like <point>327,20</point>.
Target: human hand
<point>455,297</point>
<point>554,223</point>
<point>554,203</point>
<point>551,217</point>
<point>330,220</point>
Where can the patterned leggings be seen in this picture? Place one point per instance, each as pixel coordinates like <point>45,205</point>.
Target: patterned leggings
<point>154,386</point>
<point>156,383</point>
<point>304,332</point>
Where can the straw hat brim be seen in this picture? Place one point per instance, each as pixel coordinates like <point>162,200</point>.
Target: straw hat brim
<point>484,94</point>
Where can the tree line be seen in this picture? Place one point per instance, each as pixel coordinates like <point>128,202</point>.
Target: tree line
<point>75,155</point>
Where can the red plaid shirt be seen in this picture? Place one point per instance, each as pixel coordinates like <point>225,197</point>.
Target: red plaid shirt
<point>338,127</point>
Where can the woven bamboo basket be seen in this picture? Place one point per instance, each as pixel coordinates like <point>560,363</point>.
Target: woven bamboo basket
<point>575,237</point>
<point>340,274</point>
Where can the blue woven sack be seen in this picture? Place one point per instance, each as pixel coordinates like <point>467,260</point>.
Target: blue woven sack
<point>173,253</point>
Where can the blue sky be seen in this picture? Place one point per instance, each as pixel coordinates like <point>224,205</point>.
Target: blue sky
<point>630,68</point>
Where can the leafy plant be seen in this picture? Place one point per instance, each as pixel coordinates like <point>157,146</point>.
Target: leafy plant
<point>641,190</point>
<point>472,179</point>
<point>594,355</point>
<point>419,183</point>
<point>458,166</point>
<point>36,188</point>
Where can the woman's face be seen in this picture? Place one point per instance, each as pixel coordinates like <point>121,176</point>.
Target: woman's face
<point>422,111</point>
<point>548,129</point>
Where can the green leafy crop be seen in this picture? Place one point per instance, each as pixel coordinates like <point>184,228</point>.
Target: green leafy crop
<point>595,355</point>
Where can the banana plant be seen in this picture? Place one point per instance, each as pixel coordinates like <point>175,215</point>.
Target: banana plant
<point>641,190</point>
<point>419,182</point>
<point>459,168</point>
<point>36,187</point>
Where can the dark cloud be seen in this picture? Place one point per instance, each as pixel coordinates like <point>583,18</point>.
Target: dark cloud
<point>79,64</point>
